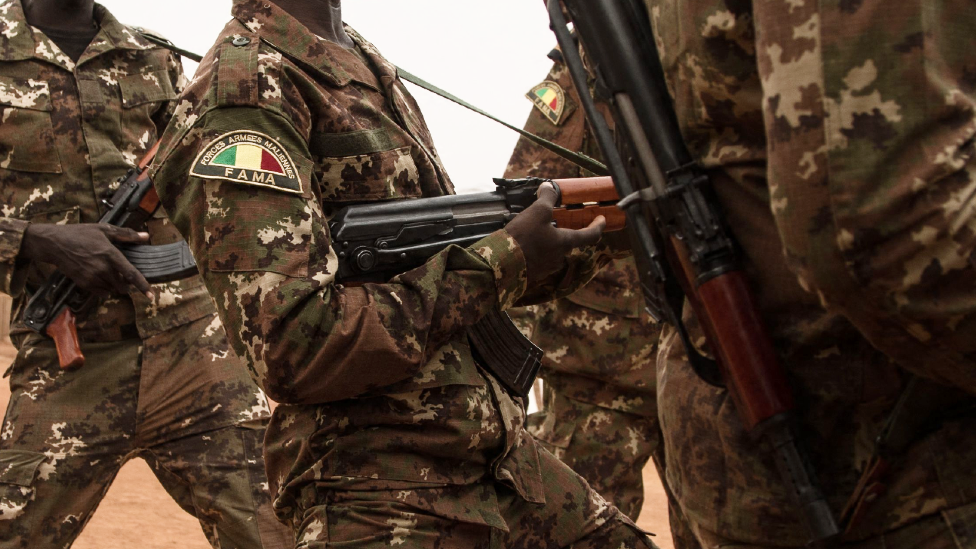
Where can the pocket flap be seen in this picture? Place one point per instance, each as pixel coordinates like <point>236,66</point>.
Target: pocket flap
<point>25,94</point>
<point>150,87</point>
<point>18,467</point>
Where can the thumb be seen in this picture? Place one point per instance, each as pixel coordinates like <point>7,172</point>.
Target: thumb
<point>590,235</point>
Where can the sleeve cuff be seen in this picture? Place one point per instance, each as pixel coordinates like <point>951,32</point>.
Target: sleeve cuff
<point>13,273</point>
<point>504,255</point>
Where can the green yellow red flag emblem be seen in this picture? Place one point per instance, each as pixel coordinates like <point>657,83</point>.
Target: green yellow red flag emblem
<point>250,158</point>
<point>550,98</point>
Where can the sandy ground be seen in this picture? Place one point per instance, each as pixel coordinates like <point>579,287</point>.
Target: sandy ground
<point>138,513</point>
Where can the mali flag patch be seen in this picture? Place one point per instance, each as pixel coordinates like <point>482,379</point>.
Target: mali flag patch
<point>550,98</point>
<point>249,158</point>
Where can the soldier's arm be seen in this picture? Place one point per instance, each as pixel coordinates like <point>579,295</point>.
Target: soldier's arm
<point>872,170</point>
<point>266,257</point>
<point>178,80</point>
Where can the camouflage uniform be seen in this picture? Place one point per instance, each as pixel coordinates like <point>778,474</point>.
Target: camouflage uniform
<point>388,432</point>
<point>599,410</point>
<point>840,139</point>
<point>599,414</point>
<point>160,380</point>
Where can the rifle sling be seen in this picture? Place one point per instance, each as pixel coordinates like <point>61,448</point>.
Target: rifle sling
<point>577,159</point>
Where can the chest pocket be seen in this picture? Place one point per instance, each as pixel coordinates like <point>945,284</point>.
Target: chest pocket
<point>141,89</point>
<point>364,165</point>
<point>26,131</point>
<point>143,98</point>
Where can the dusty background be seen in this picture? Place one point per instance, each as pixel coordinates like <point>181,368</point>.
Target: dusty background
<point>138,513</point>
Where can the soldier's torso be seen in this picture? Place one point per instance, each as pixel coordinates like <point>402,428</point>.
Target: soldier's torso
<point>604,348</point>
<point>448,424</point>
<point>70,130</point>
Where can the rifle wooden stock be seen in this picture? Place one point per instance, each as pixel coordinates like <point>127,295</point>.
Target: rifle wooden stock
<point>64,332</point>
<point>582,199</point>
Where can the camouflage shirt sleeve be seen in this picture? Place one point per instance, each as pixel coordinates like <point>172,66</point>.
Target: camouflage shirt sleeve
<point>266,257</point>
<point>178,80</point>
<point>13,272</point>
<point>871,130</point>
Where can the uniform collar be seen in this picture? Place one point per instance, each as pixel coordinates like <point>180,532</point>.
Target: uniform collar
<point>18,41</point>
<point>338,65</point>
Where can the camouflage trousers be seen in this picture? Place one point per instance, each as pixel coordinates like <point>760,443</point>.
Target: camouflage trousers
<point>949,529</point>
<point>606,447</point>
<point>573,515</point>
<point>164,399</point>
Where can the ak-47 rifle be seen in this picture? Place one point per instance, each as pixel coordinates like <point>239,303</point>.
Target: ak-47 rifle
<point>53,308</point>
<point>377,241</point>
<point>682,245</point>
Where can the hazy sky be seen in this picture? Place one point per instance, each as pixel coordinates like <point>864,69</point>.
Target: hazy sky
<point>489,53</point>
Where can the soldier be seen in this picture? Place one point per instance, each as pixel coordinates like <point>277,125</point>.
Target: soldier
<point>840,140</point>
<point>599,410</point>
<point>388,431</point>
<point>82,98</point>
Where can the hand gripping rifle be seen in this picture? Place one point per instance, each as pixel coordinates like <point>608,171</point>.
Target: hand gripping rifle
<point>377,241</point>
<point>52,310</point>
<point>673,209</point>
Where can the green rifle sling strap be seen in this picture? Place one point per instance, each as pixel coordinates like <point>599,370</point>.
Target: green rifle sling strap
<point>578,159</point>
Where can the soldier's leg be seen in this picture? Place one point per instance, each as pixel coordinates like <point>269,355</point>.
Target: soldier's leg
<point>573,515</point>
<point>201,427</point>
<point>218,477</point>
<point>64,438</point>
<point>459,517</point>
<point>379,519</point>
<point>606,447</point>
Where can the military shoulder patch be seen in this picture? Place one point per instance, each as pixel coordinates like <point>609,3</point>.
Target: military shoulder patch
<point>550,98</point>
<point>249,158</point>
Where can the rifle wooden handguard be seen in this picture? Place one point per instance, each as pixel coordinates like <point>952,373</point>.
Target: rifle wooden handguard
<point>581,200</point>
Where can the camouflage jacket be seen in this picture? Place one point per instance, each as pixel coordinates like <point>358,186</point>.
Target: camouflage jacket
<point>602,371</point>
<point>69,131</point>
<point>840,143</point>
<point>279,129</point>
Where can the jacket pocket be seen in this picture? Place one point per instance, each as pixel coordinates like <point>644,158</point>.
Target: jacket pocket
<point>151,87</point>
<point>26,131</point>
<point>144,99</point>
<point>18,469</point>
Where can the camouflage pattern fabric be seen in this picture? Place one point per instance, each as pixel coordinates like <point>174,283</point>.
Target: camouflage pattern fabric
<point>161,381</point>
<point>951,529</point>
<point>599,416</point>
<point>599,413</point>
<point>839,140</point>
<point>387,429</point>
<point>65,437</point>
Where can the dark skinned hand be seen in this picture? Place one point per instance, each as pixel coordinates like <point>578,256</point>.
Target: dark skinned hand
<point>544,246</point>
<point>85,253</point>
